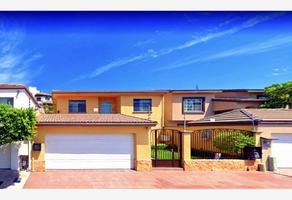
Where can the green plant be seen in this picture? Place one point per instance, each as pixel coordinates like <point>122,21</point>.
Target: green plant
<point>48,109</point>
<point>159,146</point>
<point>16,124</point>
<point>233,142</point>
<point>278,96</point>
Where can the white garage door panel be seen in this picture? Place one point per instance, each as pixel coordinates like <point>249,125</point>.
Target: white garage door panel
<point>5,156</point>
<point>89,151</point>
<point>282,150</point>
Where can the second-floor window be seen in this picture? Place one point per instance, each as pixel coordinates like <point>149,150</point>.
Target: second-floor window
<point>77,106</point>
<point>39,98</point>
<point>6,100</point>
<point>142,105</point>
<point>193,104</point>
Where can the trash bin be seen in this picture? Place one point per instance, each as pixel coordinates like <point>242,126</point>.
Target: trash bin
<point>272,164</point>
<point>261,168</point>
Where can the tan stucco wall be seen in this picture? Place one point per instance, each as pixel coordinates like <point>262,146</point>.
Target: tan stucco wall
<point>127,108</point>
<point>267,131</point>
<point>177,114</point>
<point>238,94</point>
<point>141,136</point>
<point>223,105</point>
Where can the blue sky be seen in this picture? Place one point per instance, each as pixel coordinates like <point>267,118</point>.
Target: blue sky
<point>145,50</point>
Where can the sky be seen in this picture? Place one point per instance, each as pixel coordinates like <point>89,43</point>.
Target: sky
<point>145,50</point>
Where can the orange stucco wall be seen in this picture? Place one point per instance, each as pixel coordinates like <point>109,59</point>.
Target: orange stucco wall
<point>62,103</point>
<point>127,108</point>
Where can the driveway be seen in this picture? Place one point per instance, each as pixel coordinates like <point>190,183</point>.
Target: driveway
<point>156,179</point>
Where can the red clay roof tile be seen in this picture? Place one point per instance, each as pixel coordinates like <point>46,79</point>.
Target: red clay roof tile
<point>92,119</point>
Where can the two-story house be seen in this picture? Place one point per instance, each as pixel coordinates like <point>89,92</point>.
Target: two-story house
<point>19,97</point>
<point>112,129</point>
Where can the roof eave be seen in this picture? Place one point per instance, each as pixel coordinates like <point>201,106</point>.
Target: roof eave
<point>92,124</point>
<point>222,123</point>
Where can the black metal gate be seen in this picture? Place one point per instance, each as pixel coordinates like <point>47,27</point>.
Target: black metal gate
<point>166,148</point>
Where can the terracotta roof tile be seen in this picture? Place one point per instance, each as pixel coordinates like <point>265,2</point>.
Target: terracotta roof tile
<point>92,119</point>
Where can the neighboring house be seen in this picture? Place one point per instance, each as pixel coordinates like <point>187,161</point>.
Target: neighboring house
<point>115,129</point>
<point>43,99</point>
<point>19,97</point>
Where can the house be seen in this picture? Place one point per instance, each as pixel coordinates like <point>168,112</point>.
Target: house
<point>272,129</point>
<point>19,97</point>
<point>43,99</point>
<point>129,129</point>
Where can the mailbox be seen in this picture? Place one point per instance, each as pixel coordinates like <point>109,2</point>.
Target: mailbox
<point>252,153</point>
<point>37,146</point>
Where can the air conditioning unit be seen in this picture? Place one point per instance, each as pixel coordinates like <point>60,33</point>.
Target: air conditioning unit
<point>95,110</point>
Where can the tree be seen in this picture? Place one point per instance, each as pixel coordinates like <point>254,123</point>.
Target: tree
<point>16,124</point>
<point>278,96</point>
<point>233,142</point>
<point>48,109</point>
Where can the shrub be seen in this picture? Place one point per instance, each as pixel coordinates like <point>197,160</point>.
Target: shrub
<point>233,142</point>
<point>16,124</point>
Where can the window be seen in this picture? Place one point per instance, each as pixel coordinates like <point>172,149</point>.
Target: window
<point>105,107</point>
<point>193,104</point>
<point>47,98</point>
<point>39,99</point>
<point>77,106</point>
<point>6,100</point>
<point>142,105</point>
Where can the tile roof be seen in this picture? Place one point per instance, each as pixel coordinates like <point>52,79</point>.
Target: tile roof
<point>92,119</point>
<point>248,116</point>
<point>16,86</point>
<point>159,91</point>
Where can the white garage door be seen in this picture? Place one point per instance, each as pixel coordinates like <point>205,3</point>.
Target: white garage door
<point>93,151</point>
<point>5,155</point>
<point>282,150</point>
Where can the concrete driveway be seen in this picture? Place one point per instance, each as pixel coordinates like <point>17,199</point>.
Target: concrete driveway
<point>156,179</point>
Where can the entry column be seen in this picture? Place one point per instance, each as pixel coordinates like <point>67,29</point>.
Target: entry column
<point>186,150</point>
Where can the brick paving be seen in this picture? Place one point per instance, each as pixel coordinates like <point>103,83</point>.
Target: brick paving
<point>167,179</point>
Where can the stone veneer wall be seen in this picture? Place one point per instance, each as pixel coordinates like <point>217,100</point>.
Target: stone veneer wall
<point>144,165</point>
<point>220,165</point>
<point>38,166</point>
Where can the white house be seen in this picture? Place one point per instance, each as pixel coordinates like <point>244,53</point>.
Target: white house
<point>19,97</point>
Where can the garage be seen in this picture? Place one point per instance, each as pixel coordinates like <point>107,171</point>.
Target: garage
<point>89,151</point>
<point>5,157</point>
<point>282,150</point>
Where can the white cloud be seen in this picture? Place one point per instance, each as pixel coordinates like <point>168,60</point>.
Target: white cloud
<point>249,49</point>
<point>15,63</point>
<point>278,71</point>
<point>151,53</point>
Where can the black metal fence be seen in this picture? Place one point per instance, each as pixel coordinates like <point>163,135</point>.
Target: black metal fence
<point>166,148</point>
<point>220,143</point>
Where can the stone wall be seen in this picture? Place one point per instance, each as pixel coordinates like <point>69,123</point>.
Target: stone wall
<point>144,165</point>
<point>38,166</point>
<point>220,165</point>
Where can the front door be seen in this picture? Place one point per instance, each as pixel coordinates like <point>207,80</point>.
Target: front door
<point>166,148</point>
